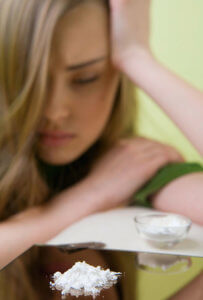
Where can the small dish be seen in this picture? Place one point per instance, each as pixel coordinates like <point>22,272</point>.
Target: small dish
<point>162,230</point>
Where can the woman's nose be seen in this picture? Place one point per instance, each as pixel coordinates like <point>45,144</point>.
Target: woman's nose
<point>58,103</point>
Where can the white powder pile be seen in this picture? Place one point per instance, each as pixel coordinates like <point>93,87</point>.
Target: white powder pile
<point>83,279</point>
<point>170,224</point>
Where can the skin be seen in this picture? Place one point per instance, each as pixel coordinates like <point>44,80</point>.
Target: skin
<point>119,173</point>
<point>130,29</point>
<point>82,109</point>
<point>73,107</point>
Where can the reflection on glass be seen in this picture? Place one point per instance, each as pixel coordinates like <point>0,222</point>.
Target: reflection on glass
<point>162,263</point>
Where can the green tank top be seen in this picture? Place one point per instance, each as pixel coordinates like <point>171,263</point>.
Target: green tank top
<point>164,176</point>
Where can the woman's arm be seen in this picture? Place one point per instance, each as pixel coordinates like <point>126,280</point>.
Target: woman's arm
<point>39,224</point>
<point>115,177</point>
<point>181,102</point>
<point>183,195</point>
<point>130,27</point>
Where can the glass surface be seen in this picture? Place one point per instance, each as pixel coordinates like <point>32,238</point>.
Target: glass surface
<point>50,259</point>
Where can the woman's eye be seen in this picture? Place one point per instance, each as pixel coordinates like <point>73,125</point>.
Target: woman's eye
<point>86,80</point>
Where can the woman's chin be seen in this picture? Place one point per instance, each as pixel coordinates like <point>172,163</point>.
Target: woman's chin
<point>57,159</point>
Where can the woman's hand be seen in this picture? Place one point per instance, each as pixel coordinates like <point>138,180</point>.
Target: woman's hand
<point>130,23</point>
<point>131,55</point>
<point>125,168</point>
<point>129,28</point>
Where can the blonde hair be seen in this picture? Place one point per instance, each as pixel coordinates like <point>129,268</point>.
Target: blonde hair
<point>26,33</point>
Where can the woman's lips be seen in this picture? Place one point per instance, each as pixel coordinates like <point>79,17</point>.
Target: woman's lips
<point>55,139</point>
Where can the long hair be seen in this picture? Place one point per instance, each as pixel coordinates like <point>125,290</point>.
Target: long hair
<point>26,34</point>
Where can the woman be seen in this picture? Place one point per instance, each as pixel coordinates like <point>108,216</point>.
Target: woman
<point>65,109</point>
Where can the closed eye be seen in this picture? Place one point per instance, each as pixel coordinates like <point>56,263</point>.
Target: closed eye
<point>86,80</point>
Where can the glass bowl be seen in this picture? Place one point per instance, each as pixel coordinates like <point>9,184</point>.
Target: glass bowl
<point>162,230</point>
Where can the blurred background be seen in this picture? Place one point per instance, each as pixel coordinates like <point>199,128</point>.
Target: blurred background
<point>177,41</point>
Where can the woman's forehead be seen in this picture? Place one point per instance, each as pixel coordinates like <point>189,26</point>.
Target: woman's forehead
<point>82,34</point>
